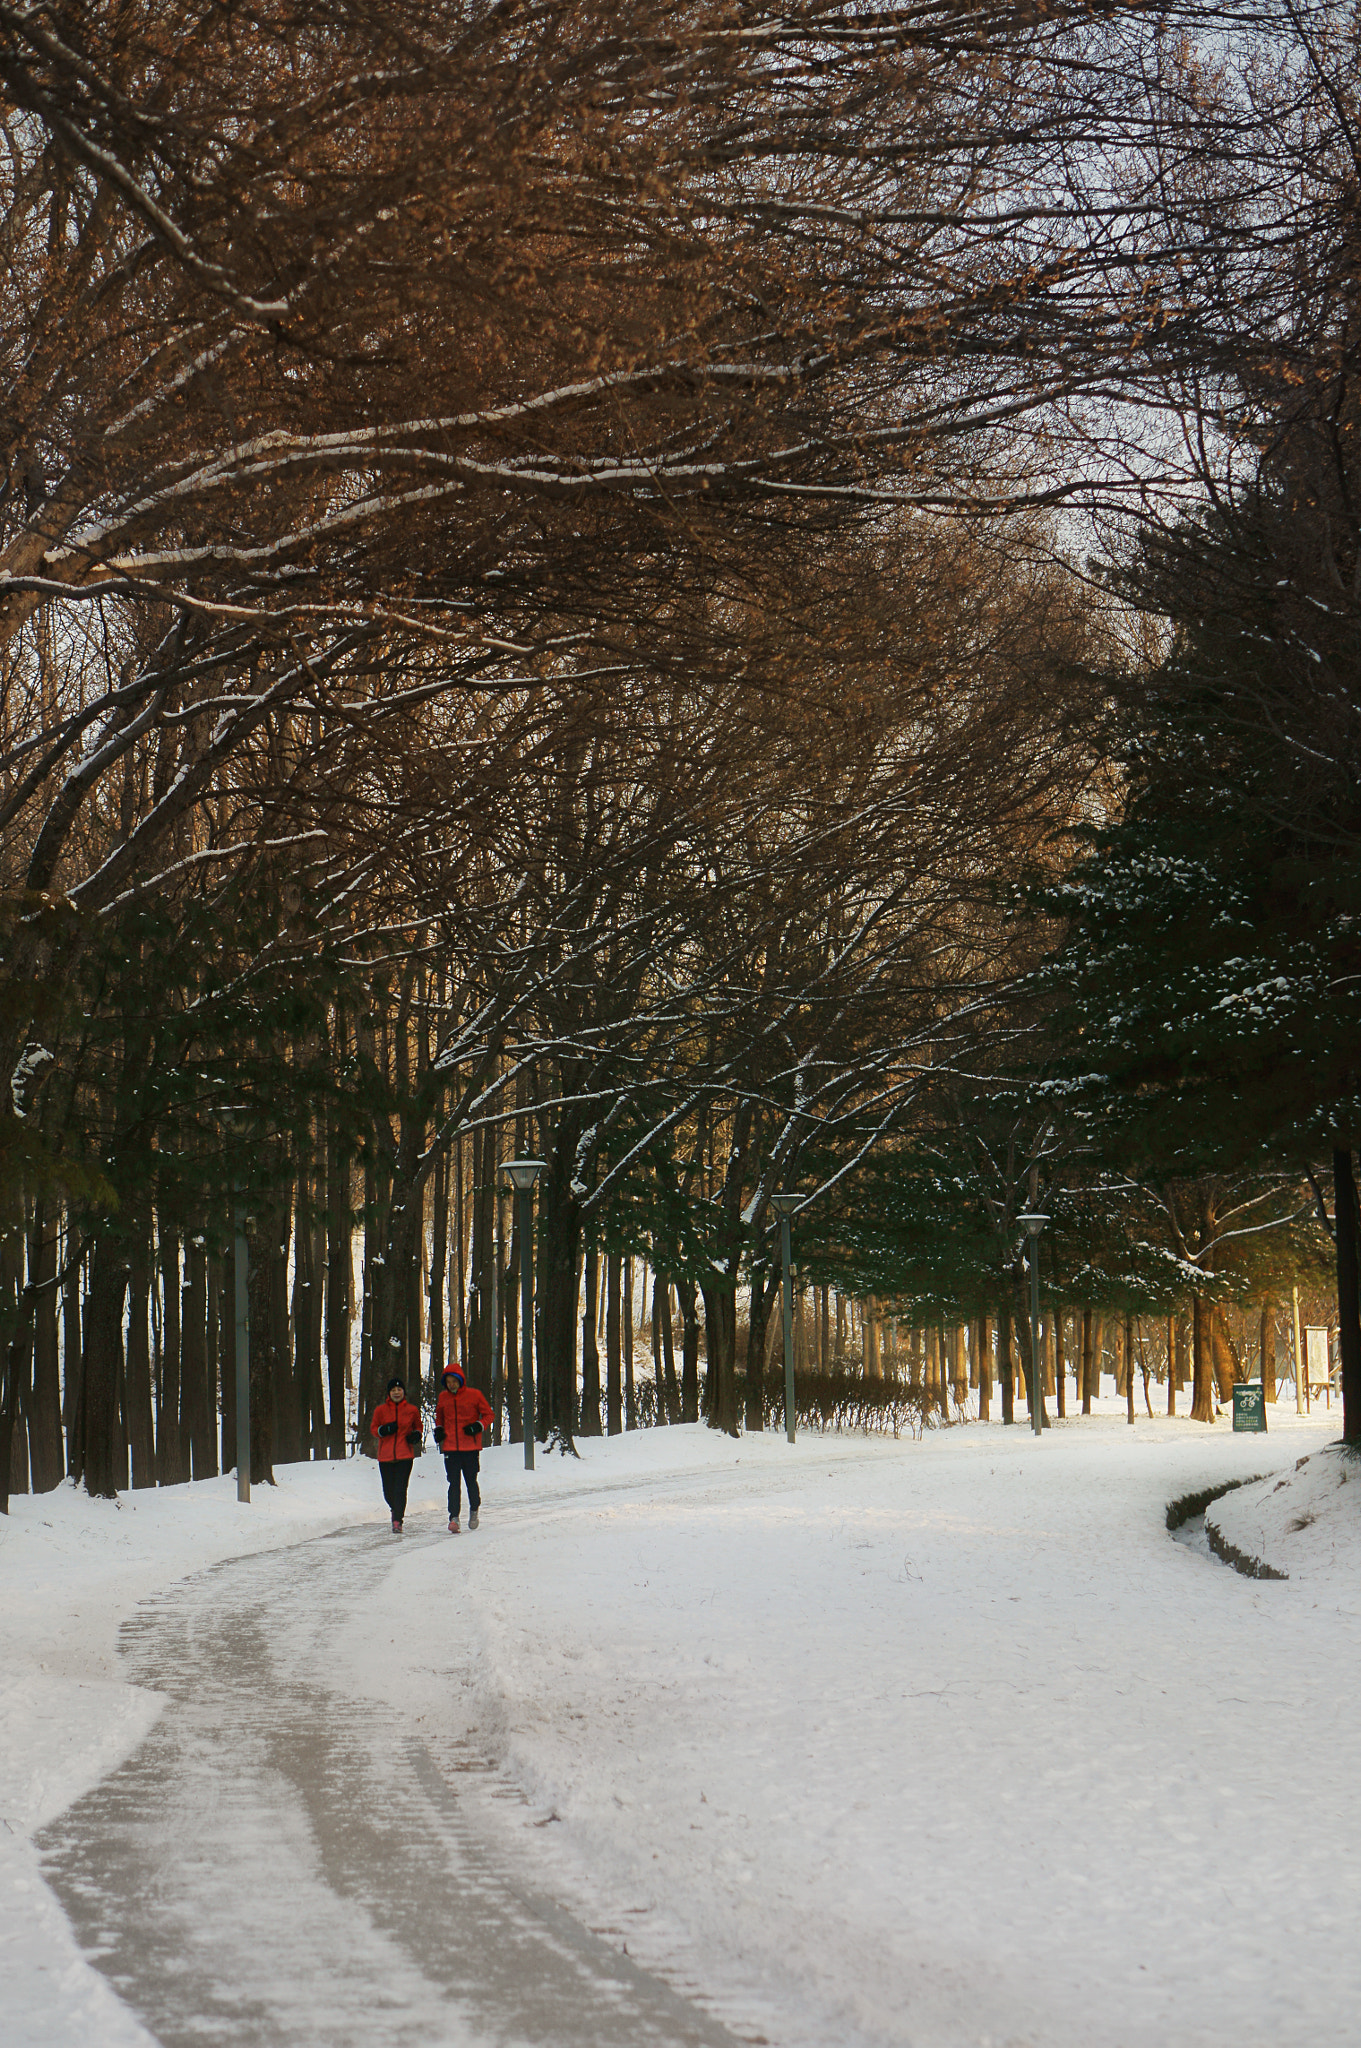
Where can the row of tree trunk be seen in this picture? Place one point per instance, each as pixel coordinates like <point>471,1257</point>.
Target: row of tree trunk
<point>123,1371</point>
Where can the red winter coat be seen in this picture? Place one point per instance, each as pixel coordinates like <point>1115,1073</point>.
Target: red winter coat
<point>407,1418</point>
<point>454,1410</point>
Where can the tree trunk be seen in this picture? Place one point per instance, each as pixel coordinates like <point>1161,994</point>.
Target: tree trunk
<point>46,1455</point>
<point>198,1442</point>
<point>556,1322</point>
<point>226,1349</point>
<point>307,1292</point>
<point>1266,1349</point>
<point>1348,1291</point>
<point>630,1394</point>
<point>458,1320</point>
<point>16,1353</point>
<point>983,1344</point>
<point>960,1359</point>
<point>413,1322</point>
<point>673,1400</point>
<point>268,1370</point>
<point>339,1292</point>
<point>141,1428</point>
<point>172,1464</point>
<point>655,1339</point>
<point>870,1325</point>
<point>16,1366</point>
<point>689,1352</point>
<point>211,1350</point>
<point>1129,1368</point>
<point>1031,1367</point>
<point>495,1338</point>
<point>1087,1335</point>
<point>1202,1409</point>
<point>1224,1355</point>
<point>1006,1369</point>
<point>720,1380</point>
<point>73,1357</point>
<point>103,1369</point>
<point>439,1258</point>
<point>1023,1357</point>
<point>614,1419</point>
<point>510,1321</point>
<point>281,1436</point>
<point>481,1277</point>
<point>760,1301</point>
<point>1060,1364</point>
<point>590,1350</point>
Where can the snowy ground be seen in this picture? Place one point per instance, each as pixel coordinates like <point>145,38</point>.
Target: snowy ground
<point>930,1743</point>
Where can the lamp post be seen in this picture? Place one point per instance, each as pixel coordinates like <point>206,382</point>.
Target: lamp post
<point>784,1206</point>
<point>1034,1222</point>
<point>521,1174</point>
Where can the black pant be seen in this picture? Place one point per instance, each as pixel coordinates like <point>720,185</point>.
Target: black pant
<point>395,1474</point>
<point>466,1463</point>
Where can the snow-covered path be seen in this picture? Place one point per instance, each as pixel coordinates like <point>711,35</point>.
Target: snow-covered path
<point>281,1863</point>
<point>855,1744</point>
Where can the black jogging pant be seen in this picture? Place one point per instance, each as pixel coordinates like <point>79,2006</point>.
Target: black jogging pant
<point>466,1463</point>
<point>396,1477</point>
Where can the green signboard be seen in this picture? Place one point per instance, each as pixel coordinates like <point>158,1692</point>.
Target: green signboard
<point>1249,1407</point>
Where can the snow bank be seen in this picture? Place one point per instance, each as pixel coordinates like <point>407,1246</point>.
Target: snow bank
<point>1305,1523</point>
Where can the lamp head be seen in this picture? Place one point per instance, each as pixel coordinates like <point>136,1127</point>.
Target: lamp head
<point>1033,1221</point>
<point>522,1173</point>
<point>786,1202</point>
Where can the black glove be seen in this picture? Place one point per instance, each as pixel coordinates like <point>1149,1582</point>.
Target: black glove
<point>387,1429</point>
<point>472,1429</point>
<point>413,1437</point>
<point>439,1436</point>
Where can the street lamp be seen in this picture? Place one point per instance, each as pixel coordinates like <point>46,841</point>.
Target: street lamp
<point>521,1174</point>
<point>785,1206</point>
<point>1034,1222</point>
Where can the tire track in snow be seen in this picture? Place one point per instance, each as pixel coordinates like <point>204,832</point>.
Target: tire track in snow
<point>278,1864</point>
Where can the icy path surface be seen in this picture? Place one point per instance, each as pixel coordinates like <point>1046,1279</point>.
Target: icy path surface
<point>281,1862</point>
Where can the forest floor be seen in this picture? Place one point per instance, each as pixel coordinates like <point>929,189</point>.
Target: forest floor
<point>864,1742</point>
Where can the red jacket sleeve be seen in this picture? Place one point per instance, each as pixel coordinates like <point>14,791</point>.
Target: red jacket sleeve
<point>378,1411</point>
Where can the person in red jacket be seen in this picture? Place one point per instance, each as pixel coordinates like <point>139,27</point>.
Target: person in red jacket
<point>397,1426</point>
<point>462,1415</point>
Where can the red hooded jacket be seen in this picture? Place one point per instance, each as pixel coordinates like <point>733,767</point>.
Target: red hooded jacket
<point>456,1408</point>
<point>407,1418</point>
